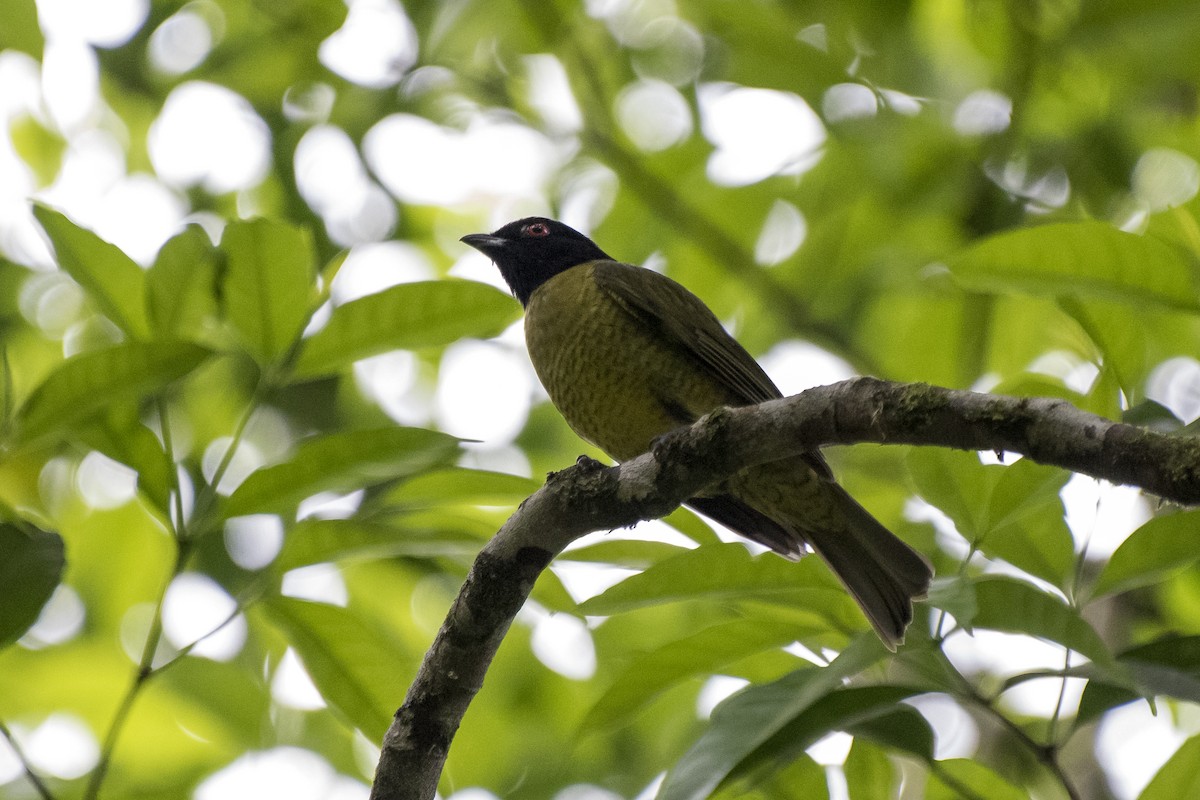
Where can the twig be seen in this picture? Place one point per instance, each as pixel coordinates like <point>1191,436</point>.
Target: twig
<point>1046,755</point>
<point>38,784</point>
<point>143,673</point>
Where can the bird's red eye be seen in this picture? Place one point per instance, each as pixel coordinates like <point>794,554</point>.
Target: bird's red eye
<point>537,229</point>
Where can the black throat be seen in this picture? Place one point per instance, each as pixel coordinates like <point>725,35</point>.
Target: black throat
<point>525,278</point>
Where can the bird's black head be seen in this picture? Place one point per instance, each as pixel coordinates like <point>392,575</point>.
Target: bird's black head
<point>533,250</point>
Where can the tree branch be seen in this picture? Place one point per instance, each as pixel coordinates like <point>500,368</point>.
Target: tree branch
<point>589,497</point>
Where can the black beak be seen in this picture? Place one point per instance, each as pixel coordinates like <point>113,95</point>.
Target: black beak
<point>485,243</point>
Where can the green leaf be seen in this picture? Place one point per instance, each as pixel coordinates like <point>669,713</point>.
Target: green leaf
<point>463,486</point>
<point>957,483</point>
<point>758,56</point>
<point>718,571</point>
<point>1081,258</point>
<point>119,433</point>
<point>268,54</point>
<point>955,594</point>
<point>1027,527</point>
<point>1012,512</point>
<point>114,282</point>
<point>702,653</point>
<point>1179,777</point>
<point>1032,384</point>
<point>182,285</point>
<point>802,779</point>
<point>840,710</point>
<point>750,718</point>
<point>31,565</point>
<point>313,541</point>
<point>87,383</point>
<point>550,593</point>
<point>234,704</point>
<point>1169,667</point>
<point>1117,331</point>
<point>631,553</point>
<point>921,663</point>
<point>1016,607</point>
<point>956,778</point>
<point>20,30</point>
<point>341,462</point>
<point>692,525</point>
<point>408,316</point>
<point>1153,415</point>
<point>903,728</point>
<point>361,671</point>
<point>1154,551</point>
<point>41,148</point>
<point>268,287</point>
<point>869,772</point>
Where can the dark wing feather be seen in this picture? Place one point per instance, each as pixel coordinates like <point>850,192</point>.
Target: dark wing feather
<point>691,326</point>
<point>643,294</point>
<point>754,525</point>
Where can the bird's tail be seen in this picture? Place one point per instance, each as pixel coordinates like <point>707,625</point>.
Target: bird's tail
<point>879,570</point>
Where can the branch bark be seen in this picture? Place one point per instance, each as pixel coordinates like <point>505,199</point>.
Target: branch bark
<point>589,497</point>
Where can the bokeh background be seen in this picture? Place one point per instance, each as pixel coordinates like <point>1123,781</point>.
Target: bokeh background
<point>931,190</point>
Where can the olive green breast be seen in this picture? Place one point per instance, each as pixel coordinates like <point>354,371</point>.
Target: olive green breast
<point>616,383</point>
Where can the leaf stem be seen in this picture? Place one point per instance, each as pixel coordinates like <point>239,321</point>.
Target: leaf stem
<point>144,671</point>
<point>208,494</point>
<point>250,595</point>
<point>1046,755</point>
<point>6,396</point>
<point>962,572</point>
<point>38,784</point>
<point>1058,705</point>
<point>164,422</point>
<point>1081,558</point>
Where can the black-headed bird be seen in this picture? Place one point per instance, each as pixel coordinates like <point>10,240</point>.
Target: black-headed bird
<point>627,355</point>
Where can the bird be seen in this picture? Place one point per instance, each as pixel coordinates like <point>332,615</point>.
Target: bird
<point>627,355</point>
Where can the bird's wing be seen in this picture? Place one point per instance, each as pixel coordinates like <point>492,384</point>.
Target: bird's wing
<point>697,332</point>
<point>644,295</point>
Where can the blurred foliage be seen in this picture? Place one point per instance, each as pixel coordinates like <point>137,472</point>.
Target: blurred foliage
<point>1008,203</point>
